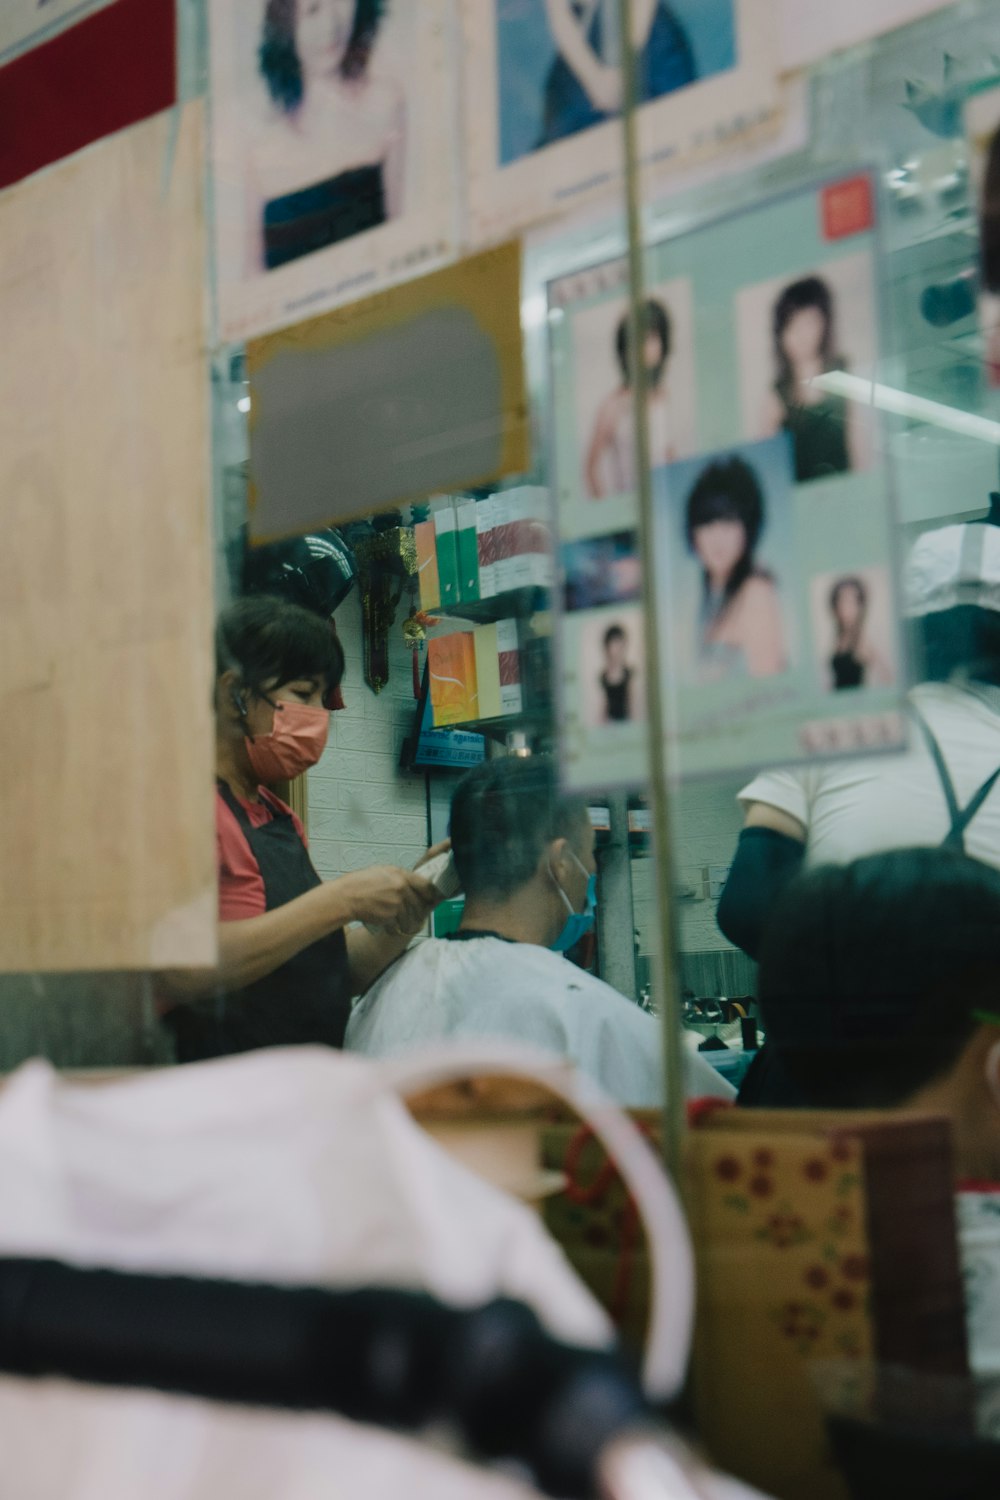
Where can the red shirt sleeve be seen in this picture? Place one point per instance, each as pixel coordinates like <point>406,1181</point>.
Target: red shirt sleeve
<point>241,885</point>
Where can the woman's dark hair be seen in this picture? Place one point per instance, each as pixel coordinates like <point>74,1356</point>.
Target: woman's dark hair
<point>989,217</point>
<point>811,291</point>
<point>965,639</point>
<point>270,642</point>
<point>278,54</point>
<point>502,816</point>
<point>857,586</point>
<point>653,318</point>
<point>870,973</point>
<point>614,633</point>
<point>728,490</point>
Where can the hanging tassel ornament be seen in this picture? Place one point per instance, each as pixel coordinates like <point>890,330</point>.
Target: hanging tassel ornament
<point>415,628</point>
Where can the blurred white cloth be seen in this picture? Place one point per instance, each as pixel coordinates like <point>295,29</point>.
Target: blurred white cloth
<point>293,1165</point>
<point>67,1442</point>
<point>75,1442</point>
<point>488,988</point>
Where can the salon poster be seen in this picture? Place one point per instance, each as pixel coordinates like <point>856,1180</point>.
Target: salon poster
<point>775,588</point>
<point>333,153</point>
<point>543,93</point>
<point>982,123</point>
<point>415,391</point>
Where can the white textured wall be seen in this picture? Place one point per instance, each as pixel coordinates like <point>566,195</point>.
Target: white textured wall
<point>362,809</point>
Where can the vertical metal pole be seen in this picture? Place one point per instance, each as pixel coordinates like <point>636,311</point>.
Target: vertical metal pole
<point>666,985</point>
<point>615,909</point>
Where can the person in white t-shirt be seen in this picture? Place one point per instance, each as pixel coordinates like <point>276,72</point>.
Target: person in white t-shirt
<point>525,859</point>
<point>941,791</point>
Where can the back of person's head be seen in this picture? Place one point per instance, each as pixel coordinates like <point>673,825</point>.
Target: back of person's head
<point>952,599</point>
<point>269,642</point>
<point>871,973</point>
<point>504,815</point>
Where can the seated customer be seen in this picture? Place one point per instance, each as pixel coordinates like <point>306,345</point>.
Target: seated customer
<point>525,857</point>
<point>880,987</point>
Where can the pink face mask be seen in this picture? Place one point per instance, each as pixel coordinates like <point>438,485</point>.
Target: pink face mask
<point>295,743</point>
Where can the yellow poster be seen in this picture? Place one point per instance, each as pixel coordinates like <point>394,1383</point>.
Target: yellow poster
<point>414,391</point>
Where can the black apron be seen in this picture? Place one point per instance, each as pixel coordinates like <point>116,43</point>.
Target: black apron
<point>959,817</point>
<point>307,1000</point>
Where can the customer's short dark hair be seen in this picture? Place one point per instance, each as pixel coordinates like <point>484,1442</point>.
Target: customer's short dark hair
<point>963,639</point>
<point>270,642</point>
<point>870,973</point>
<point>503,814</point>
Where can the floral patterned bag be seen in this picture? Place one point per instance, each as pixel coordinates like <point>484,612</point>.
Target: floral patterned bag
<point>826,1251</point>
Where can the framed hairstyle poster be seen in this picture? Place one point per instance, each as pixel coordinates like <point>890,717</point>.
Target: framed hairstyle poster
<point>333,151</point>
<point>543,96</point>
<point>775,591</point>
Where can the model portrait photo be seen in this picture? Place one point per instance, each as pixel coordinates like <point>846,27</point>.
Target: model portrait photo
<point>331,143</point>
<point>610,667</point>
<point>794,330</point>
<point>723,527</point>
<point>330,162</point>
<point>559,61</point>
<point>604,375</point>
<point>852,629</point>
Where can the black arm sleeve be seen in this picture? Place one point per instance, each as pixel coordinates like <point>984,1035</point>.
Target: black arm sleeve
<point>765,862</point>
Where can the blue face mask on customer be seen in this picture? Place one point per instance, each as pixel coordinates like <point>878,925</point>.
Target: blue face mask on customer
<point>578,923</point>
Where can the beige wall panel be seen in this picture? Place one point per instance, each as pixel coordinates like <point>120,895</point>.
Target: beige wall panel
<point>106,826</point>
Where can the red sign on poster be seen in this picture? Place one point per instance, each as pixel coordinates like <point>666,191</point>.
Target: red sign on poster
<point>108,72</point>
<point>847,207</point>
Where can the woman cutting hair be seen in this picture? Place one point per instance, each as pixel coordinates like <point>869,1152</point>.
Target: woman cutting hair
<point>288,966</point>
<point>741,632</point>
<point>331,161</point>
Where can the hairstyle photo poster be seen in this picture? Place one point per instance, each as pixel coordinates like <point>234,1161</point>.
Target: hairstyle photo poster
<point>775,595</point>
<point>334,155</point>
<point>543,96</point>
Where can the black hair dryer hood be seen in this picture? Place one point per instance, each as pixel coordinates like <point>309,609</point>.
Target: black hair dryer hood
<point>316,571</point>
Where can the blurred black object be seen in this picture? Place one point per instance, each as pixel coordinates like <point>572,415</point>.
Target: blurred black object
<point>948,302</point>
<point>880,1460</point>
<point>386,1357</point>
<point>316,571</point>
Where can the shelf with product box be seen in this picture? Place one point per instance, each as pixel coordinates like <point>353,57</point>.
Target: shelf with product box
<point>485,572</point>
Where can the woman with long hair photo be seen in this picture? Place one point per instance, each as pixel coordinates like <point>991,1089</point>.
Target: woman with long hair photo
<point>330,161</point>
<point>854,662</point>
<point>610,462</point>
<point>741,632</point>
<point>820,424</point>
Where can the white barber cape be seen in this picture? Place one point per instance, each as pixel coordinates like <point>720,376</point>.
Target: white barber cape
<point>485,987</point>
